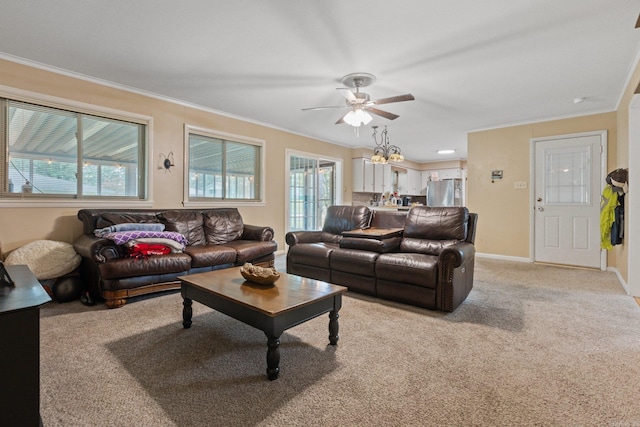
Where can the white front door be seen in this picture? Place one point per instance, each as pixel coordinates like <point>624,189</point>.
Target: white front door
<point>568,183</point>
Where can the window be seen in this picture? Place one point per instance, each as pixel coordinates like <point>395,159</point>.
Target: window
<point>58,153</point>
<point>567,175</point>
<point>223,167</point>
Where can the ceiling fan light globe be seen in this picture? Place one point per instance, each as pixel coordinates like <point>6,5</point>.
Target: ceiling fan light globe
<point>350,118</point>
<point>361,117</point>
<point>366,117</point>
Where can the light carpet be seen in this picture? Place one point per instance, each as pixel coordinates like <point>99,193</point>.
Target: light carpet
<point>531,345</point>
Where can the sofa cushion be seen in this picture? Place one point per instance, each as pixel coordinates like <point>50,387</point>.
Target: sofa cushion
<point>414,268</point>
<point>108,219</point>
<point>210,255</point>
<point>428,230</point>
<point>251,249</point>
<point>313,254</point>
<point>344,218</point>
<point>425,246</point>
<point>188,223</point>
<point>354,261</point>
<point>330,237</point>
<point>448,223</point>
<point>156,264</point>
<point>222,225</point>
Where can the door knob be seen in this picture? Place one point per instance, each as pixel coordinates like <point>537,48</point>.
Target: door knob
<point>539,199</point>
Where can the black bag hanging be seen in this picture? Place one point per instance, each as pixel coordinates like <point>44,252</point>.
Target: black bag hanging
<point>617,228</point>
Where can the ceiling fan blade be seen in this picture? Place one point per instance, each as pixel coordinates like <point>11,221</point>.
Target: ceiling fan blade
<point>341,120</point>
<point>381,113</point>
<point>324,108</point>
<point>399,98</point>
<point>347,94</point>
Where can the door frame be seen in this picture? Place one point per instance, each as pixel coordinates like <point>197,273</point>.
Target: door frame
<point>632,201</point>
<point>532,179</point>
<point>338,178</point>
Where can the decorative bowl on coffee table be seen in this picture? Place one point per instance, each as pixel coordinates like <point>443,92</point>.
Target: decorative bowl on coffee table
<point>260,275</point>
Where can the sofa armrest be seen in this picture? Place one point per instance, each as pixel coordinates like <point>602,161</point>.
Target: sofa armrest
<point>454,256</point>
<point>257,232</point>
<point>294,237</point>
<point>455,276</point>
<point>96,249</point>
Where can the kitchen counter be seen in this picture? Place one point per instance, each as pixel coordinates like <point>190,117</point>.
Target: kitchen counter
<point>389,208</point>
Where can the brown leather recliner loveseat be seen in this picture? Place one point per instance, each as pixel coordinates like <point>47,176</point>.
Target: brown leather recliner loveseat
<point>429,264</point>
<point>215,238</point>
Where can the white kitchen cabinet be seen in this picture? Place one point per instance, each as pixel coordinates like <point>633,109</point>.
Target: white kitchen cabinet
<point>362,176</point>
<point>382,178</point>
<point>371,177</point>
<point>449,173</point>
<point>409,182</point>
<point>403,183</point>
<point>414,184</point>
<point>424,178</point>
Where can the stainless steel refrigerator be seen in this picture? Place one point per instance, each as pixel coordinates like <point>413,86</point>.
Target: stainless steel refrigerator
<point>446,192</point>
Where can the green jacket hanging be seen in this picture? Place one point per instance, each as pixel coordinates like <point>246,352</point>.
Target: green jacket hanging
<point>608,204</point>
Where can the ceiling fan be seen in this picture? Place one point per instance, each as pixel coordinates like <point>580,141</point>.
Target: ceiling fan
<point>359,103</point>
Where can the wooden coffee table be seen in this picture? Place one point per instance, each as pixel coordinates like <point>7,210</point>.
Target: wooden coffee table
<point>272,309</point>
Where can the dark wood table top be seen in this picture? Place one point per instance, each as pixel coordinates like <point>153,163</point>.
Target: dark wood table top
<point>27,293</point>
<point>374,233</point>
<point>288,293</point>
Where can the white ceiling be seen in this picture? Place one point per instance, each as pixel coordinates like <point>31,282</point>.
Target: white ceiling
<point>470,64</point>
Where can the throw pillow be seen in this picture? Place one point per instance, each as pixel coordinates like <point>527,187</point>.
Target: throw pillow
<point>222,225</point>
<point>47,259</point>
<point>187,223</point>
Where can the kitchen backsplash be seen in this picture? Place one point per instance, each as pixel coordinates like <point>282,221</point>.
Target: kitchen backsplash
<point>364,199</point>
<point>360,199</point>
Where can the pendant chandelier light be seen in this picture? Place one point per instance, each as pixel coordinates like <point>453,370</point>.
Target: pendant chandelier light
<point>385,152</point>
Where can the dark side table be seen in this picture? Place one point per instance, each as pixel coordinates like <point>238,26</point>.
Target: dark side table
<point>20,348</point>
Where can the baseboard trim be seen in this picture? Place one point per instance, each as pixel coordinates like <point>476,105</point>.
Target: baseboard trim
<point>503,257</point>
<point>624,284</point>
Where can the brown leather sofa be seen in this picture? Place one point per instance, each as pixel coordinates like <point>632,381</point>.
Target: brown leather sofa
<point>430,264</point>
<point>217,238</point>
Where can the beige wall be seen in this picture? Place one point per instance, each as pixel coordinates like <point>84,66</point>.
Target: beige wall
<point>622,161</point>
<point>503,212</point>
<point>23,225</point>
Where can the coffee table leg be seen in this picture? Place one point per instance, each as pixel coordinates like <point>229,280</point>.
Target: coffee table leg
<point>333,327</point>
<point>187,312</point>
<point>273,357</point>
